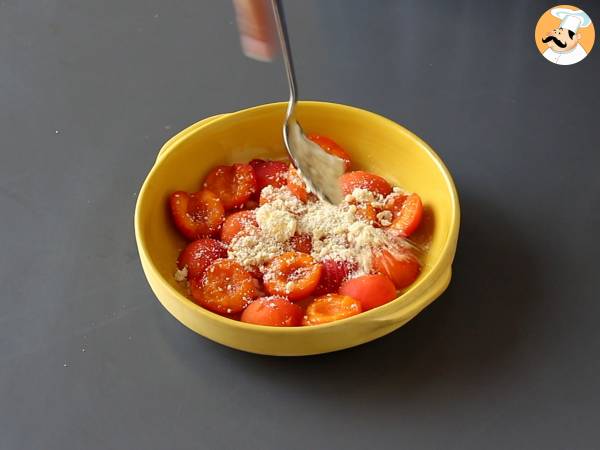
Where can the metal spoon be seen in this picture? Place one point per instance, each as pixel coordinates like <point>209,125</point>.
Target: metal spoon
<point>319,169</point>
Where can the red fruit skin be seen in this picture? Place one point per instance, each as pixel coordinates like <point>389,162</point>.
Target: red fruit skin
<point>269,173</point>
<point>200,254</point>
<point>333,274</point>
<point>370,290</point>
<point>273,311</point>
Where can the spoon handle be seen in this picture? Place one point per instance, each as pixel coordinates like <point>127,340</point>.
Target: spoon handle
<point>284,41</point>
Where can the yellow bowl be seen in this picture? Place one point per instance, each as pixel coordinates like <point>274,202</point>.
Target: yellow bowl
<point>375,144</point>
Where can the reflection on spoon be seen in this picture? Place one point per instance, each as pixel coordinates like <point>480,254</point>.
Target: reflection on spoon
<point>320,170</point>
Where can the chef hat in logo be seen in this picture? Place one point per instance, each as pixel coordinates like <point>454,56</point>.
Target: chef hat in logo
<point>571,19</point>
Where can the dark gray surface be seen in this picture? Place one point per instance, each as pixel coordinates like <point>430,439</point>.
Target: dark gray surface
<point>508,357</point>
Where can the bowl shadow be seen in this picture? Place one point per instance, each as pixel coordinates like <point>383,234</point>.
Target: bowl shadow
<point>471,333</point>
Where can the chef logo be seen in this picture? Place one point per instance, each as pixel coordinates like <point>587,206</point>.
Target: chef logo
<point>564,35</point>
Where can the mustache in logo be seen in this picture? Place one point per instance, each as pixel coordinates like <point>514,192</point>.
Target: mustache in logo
<point>555,40</point>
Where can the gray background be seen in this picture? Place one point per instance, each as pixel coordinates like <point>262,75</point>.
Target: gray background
<point>508,357</point>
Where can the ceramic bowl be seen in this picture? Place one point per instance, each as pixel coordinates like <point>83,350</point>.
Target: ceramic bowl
<point>376,144</point>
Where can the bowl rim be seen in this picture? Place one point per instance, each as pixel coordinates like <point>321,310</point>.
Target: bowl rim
<point>438,268</point>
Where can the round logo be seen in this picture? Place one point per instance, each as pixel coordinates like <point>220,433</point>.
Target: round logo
<point>564,35</point>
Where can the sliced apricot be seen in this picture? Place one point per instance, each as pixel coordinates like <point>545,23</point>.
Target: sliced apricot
<point>296,185</point>
<point>226,287</point>
<point>364,180</point>
<point>236,223</point>
<point>232,184</point>
<point>332,147</point>
<point>329,308</point>
<point>294,275</point>
<point>197,214</point>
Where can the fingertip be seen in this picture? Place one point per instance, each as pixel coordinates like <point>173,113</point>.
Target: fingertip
<point>257,49</point>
